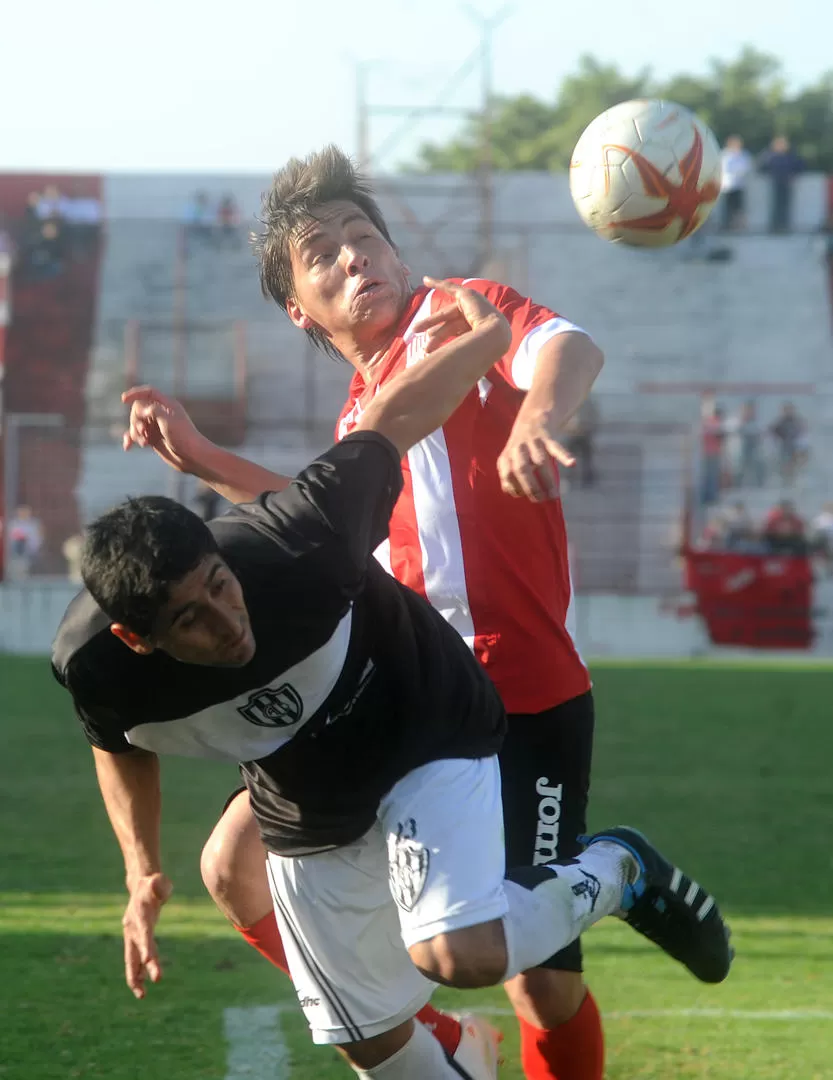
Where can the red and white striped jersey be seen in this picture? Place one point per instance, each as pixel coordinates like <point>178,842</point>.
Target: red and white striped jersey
<point>494,566</point>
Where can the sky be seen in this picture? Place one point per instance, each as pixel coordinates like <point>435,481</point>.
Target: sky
<point>238,86</point>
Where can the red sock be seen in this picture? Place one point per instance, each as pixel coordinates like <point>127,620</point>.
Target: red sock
<point>265,937</point>
<point>571,1051</point>
<point>445,1029</point>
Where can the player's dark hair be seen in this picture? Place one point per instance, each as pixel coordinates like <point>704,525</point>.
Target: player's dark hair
<point>298,191</point>
<point>136,551</point>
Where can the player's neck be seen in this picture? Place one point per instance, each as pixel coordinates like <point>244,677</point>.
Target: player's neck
<point>368,354</point>
<point>367,360</point>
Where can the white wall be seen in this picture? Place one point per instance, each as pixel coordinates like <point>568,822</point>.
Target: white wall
<point>609,626</point>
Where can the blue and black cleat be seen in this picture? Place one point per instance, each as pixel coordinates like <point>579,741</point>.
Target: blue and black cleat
<point>671,909</point>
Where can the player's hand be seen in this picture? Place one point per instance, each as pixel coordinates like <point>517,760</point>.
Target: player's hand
<point>160,422</point>
<point>528,464</point>
<point>470,310</point>
<point>141,957</point>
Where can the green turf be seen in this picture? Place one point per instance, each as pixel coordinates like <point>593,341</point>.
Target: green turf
<point>727,766</point>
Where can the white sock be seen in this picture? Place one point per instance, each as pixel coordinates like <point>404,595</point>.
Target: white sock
<point>421,1058</point>
<point>544,919</point>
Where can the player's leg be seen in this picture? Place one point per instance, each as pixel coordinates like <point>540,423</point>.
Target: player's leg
<point>545,771</point>
<point>464,923</point>
<point>233,871</point>
<point>354,979</point>
<point>233,866</point>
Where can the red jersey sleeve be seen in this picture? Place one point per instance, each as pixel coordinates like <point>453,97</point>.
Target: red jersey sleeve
<point>533,325</point>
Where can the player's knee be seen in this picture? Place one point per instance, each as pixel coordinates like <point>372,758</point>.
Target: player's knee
<point>467,959</point>
<point>216,866</point>
<point>232,862</point>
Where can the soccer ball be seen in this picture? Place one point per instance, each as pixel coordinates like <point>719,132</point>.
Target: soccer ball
<point>645,173</point>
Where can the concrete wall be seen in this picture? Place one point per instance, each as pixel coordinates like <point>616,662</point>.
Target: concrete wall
<point>609,626</point>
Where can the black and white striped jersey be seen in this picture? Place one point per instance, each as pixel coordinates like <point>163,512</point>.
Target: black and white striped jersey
<point>355,680</point>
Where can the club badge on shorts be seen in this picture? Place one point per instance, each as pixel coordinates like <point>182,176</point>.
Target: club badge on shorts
<point>408,862</point>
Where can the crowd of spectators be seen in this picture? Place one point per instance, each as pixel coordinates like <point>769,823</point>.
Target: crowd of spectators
<point>739,451</point>
<point>782,531</point>
<point>55,229</point>
<point>214,223</point>
<point>779,162</point>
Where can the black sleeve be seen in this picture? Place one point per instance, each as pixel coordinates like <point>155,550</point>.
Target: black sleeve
<point>335,513</point>
<point>101,734</point>
<point>101,726</point>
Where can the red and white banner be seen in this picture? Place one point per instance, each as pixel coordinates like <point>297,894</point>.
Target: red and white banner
<point>755,601</point>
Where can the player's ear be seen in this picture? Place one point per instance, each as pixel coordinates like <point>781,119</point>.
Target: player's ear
<point>133,641</point>
<point>297,316</point>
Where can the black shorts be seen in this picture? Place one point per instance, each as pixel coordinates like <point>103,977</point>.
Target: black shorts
<point>545,773</point>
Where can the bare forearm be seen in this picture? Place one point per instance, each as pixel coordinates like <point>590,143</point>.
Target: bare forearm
<point>423,397</point>
<point>130,788</point>
<point>233,477</point>
<point>565,371</point>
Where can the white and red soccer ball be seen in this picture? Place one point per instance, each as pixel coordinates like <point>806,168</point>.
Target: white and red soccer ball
<point>645,173</point>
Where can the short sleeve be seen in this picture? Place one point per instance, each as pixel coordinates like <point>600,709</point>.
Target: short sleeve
<point>101,732</point>
<point>335,513</point>
<point>102,727</point>
<point>533,325</point>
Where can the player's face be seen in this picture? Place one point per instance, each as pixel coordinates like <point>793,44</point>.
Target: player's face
<point>347,279</point>
<point>205,620</point>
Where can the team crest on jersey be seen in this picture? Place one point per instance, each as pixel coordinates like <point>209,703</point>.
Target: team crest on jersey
<point>408,861</point>
<point>271,707</point>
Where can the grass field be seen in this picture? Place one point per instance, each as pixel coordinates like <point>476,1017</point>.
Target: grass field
<point>730,768</point>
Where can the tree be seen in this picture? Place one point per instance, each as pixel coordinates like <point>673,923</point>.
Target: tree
<point>746,96</point>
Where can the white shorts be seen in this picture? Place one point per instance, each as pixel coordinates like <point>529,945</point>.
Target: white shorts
<point>433,862</point>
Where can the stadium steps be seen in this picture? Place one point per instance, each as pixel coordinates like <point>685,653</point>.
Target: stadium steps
<point>47,358</point>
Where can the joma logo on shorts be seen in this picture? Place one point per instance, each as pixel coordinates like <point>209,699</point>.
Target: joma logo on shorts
<point>549,821</point>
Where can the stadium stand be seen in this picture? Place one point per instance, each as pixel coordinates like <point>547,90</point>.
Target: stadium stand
<point>183,309</point>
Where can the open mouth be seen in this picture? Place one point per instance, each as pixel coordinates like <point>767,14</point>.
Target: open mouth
<point>367,287</point>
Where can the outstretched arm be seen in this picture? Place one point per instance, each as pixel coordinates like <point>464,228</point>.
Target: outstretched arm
<point>565,370</point>
<point>160,422</point>
<point>414,404</point>
<point>130,788</point>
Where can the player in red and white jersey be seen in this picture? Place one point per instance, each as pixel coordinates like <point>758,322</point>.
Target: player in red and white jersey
<point>497,571</point>
<point>478,530</point>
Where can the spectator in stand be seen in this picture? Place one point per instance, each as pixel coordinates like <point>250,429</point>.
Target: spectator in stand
<point>737,164</point>
<point>7,247</point>
<point>25,541</point>
<point>782,165</point>
<point>199,217</point>
<point>228,220</point>
<point>32,219</point>
<point>72,550</point>
<point>580,441</point>
<point>821,537</point>
<point>42,238</point>
<point>784,532</point>
<point>739,531</point>
<point>731,529</point>
<point>743,447</point>
<point>790,434</point>
<point>711,435</point>
<point>83,218</point>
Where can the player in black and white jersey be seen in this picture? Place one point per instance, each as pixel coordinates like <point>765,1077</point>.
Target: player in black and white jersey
<point>366,733</point>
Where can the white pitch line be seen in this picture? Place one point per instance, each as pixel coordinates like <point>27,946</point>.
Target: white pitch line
<point>255,1044</point>
<point>709,1014</point>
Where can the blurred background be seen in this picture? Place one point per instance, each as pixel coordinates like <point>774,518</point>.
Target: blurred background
<point>700,510</point>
